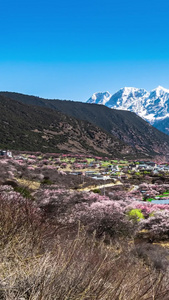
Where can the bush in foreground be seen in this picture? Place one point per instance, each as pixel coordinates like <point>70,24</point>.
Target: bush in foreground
<point>41,261</point>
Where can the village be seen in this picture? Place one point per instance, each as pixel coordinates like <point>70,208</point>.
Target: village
<point>93,173</point>
<point>98,168</point>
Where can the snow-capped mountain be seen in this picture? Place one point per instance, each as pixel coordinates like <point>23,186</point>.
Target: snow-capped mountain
<point>100,98</point>
<point>152,106</point>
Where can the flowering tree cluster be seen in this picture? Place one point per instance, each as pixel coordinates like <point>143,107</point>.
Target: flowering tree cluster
<point>98,213</point>
<point>121,212</point>
<point>157,224</point>
<point>153,189</point>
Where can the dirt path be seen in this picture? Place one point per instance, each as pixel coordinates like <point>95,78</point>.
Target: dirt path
<point>93,187</point>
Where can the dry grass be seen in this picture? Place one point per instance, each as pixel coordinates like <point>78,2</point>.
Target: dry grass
<point>33,185</point>
<point>40,261</point>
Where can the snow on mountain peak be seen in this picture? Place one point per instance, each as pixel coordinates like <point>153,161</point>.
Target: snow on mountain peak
<point>100,98</point>
<point>134,91</point>
<point>160,90</point>
<point>128,89</point>
<point>151,106</point>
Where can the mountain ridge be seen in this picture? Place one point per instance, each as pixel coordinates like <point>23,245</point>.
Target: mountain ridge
<point>35,128</point>
<point>124,126</point>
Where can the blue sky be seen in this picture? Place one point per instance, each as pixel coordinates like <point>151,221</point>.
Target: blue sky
<point>71,49</point>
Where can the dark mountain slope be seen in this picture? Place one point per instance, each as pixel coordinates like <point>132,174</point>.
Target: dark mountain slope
<point>125,125</point>
<point>35,128</point>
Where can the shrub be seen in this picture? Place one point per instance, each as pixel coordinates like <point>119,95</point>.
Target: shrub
<point>46,181</point>
<point>97,191</point>
<point>76,268</point>
<point>25,192</point>
<point>153,255</point>
<point>158,224</point>
<point>106,217</point>
<point>135,215</point>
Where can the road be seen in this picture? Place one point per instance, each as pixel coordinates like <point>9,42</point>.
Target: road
<point>90,188</point>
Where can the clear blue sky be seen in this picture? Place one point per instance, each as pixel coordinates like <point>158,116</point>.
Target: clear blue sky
<point>69,49</point>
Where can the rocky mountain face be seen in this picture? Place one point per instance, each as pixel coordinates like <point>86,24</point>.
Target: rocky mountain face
<point>56,125</point>
<point>152,106</point>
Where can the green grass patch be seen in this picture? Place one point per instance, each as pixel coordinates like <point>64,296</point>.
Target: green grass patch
<point>97,191</point>
<point>47,181</point>
<point>163,195</point>
<point>89,160</point>
<point>149,199</point>
<point>23,191</point>
<point>106,164</point>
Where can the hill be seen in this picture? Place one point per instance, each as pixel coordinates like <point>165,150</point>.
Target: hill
<point>35,128</point>
<point>126,126</point>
